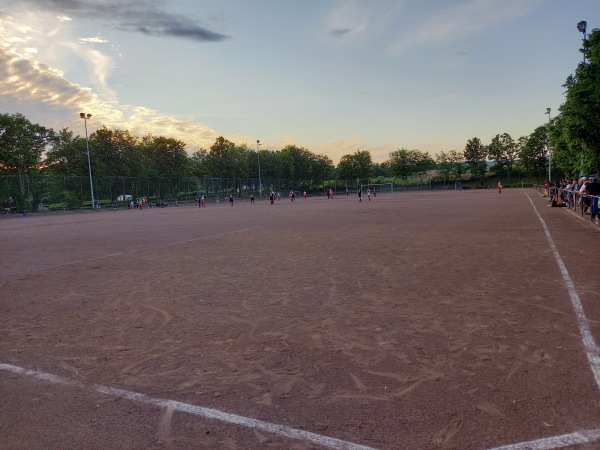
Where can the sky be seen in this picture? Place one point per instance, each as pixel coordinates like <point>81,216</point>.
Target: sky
<point>332,76</point>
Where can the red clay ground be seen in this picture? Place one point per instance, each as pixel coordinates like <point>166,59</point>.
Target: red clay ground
<point>415,321</point>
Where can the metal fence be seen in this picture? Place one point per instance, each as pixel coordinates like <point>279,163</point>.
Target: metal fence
<point>34,192</point>
<point>40,192</point>
<point>582,204</point>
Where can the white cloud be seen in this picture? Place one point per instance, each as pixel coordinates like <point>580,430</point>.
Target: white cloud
<point>29,85</point>
<point>361,19</point>
<point>458,22</point>
<point>93,40</point>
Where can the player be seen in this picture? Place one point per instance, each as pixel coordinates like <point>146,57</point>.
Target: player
<point>359,195</point>
<point>369,193</point>
<point>499,187</point>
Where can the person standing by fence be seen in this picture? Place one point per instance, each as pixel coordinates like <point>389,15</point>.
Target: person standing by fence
<point>593,191</point>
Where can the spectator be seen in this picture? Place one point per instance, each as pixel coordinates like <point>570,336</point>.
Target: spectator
<point>593,189</point>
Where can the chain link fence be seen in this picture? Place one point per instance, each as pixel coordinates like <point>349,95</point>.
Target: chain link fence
<point>37,192</point>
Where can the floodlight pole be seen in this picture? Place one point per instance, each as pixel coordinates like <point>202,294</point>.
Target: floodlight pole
<point>548,110</point>
<point>85,118</point>
<point>582,27</point>
<point>259,179</point>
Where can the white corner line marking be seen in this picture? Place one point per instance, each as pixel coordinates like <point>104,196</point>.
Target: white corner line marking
<point>200,411</point>
<point>578,437</point>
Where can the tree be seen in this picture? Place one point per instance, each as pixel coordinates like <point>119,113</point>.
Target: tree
<point>21,146</point>
<point>381,169</point>
<point>220,158</point>
<point>198,166</point>
<point>404,162</point>
<point>533,154</point>
<point>580,121</point>
<point>355,166</point>
<point>67,155</point>
<point>475,156</point>
<point>297,164</point>
<point>566,158</point>
<point>322,169</point>
<point>451,165</point>
<point>116,153</point>
<point>165,157</point>
<point>459,168</point>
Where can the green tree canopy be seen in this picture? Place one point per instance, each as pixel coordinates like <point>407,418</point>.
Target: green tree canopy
<point>355,166</point>
<point>533,152</point>
<point>404,162</point>
<point>476,155</point>
<point>165,157</point>
<point>579,125</point>
<point>451,165</point>
<point>503,151</point>
<point>22,144</point>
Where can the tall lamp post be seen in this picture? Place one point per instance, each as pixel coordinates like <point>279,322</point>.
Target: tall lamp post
<point>549,150</point>
<point>259,179</point>
<point>85,118</point>
<point>582,27</point>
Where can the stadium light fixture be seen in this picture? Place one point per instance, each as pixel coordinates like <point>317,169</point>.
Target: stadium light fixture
<point>259,179</point>
<point>85,118</point>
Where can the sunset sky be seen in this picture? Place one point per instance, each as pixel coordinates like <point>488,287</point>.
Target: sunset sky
<point>333,76</point>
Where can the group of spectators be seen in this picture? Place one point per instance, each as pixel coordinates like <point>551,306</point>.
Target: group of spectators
<point>582,192</point>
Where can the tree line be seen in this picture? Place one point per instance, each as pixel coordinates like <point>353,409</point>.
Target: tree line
<point>571,140</point>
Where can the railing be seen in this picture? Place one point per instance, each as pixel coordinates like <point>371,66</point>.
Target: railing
<point>583,204</point>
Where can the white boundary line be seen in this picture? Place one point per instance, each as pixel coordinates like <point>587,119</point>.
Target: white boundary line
<point>200,411</point>
<point>593,356</point>
<point>565,440</point>
<point>593,352</point>
<point>112,255</point>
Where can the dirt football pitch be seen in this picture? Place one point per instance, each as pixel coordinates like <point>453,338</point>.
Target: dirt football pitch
<point>432,320</point>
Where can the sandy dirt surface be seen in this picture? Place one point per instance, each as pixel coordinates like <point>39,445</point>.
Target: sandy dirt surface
<point>414,321</point>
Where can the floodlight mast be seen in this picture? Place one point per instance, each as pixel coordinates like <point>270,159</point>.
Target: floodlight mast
<point>259,179</point>
<point>85,118</point>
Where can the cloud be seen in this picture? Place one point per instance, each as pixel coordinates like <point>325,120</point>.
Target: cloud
<point>44,95</point>
<point>340,32</point>
<point>362,19</point>
<point>141,16</point>
<point>458,22</point>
